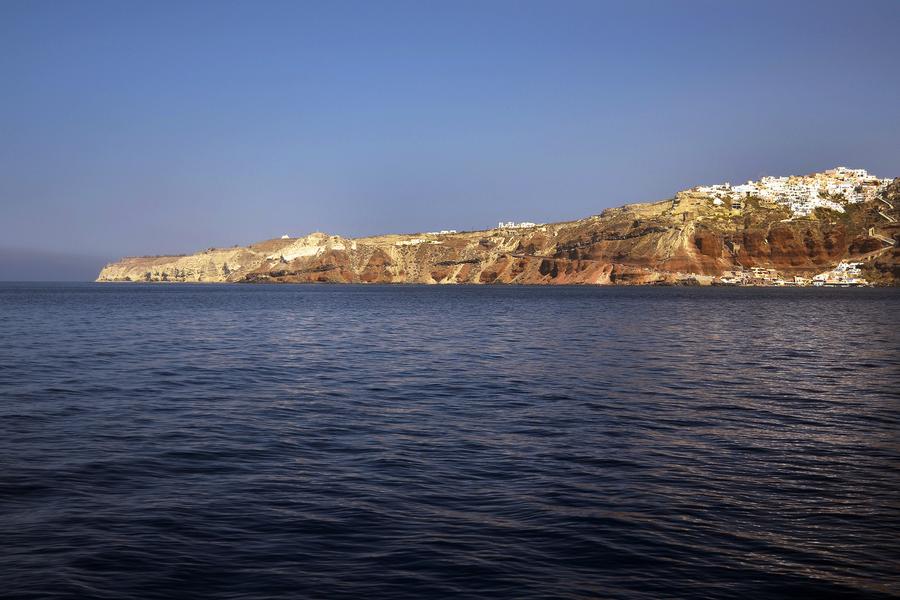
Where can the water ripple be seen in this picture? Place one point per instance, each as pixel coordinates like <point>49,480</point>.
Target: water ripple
<point>409,442</point>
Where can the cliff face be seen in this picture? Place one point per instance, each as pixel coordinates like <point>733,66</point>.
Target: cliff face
<point>884,265</point>
<point>685,238</point>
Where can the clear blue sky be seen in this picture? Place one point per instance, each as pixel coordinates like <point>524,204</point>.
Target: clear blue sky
<point>160,127</point>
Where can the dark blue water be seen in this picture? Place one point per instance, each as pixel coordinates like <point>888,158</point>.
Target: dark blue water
<point>416,442</point>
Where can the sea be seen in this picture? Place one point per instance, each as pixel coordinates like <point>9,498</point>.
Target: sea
<point>343,441</point>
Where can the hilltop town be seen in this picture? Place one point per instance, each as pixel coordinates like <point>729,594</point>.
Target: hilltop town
<point>832,189</point>
<point>834,228</point>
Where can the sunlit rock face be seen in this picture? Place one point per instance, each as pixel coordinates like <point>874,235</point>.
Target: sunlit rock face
<point>691,237</point>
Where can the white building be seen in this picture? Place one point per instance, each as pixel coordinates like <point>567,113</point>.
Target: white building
<point>514,225</point>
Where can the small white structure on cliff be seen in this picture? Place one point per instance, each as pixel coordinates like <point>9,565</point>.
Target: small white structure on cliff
<point>514,225</point>
<point>410,242</point>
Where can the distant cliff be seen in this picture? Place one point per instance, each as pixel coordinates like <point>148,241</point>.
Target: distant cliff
<point>689,238</point>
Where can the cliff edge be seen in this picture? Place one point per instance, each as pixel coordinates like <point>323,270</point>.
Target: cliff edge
<point>692,237</point>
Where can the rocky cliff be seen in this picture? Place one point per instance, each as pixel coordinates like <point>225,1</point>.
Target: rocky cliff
<point>688,238</point>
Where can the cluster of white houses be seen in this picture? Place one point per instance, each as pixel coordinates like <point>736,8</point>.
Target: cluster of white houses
<point>845,274</point>
<point>803,194</point>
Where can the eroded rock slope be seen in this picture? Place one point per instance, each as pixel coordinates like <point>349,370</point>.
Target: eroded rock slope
<point>685,238</point>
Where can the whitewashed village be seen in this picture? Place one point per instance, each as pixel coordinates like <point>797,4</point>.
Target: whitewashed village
<point>831,189</point>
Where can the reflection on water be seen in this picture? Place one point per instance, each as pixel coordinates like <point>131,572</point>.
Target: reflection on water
<point>266,442</point>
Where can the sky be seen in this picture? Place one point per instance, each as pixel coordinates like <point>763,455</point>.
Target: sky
<point>132,128</point>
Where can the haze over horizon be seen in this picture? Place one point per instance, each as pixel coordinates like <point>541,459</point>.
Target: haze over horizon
<point>144,128</point>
